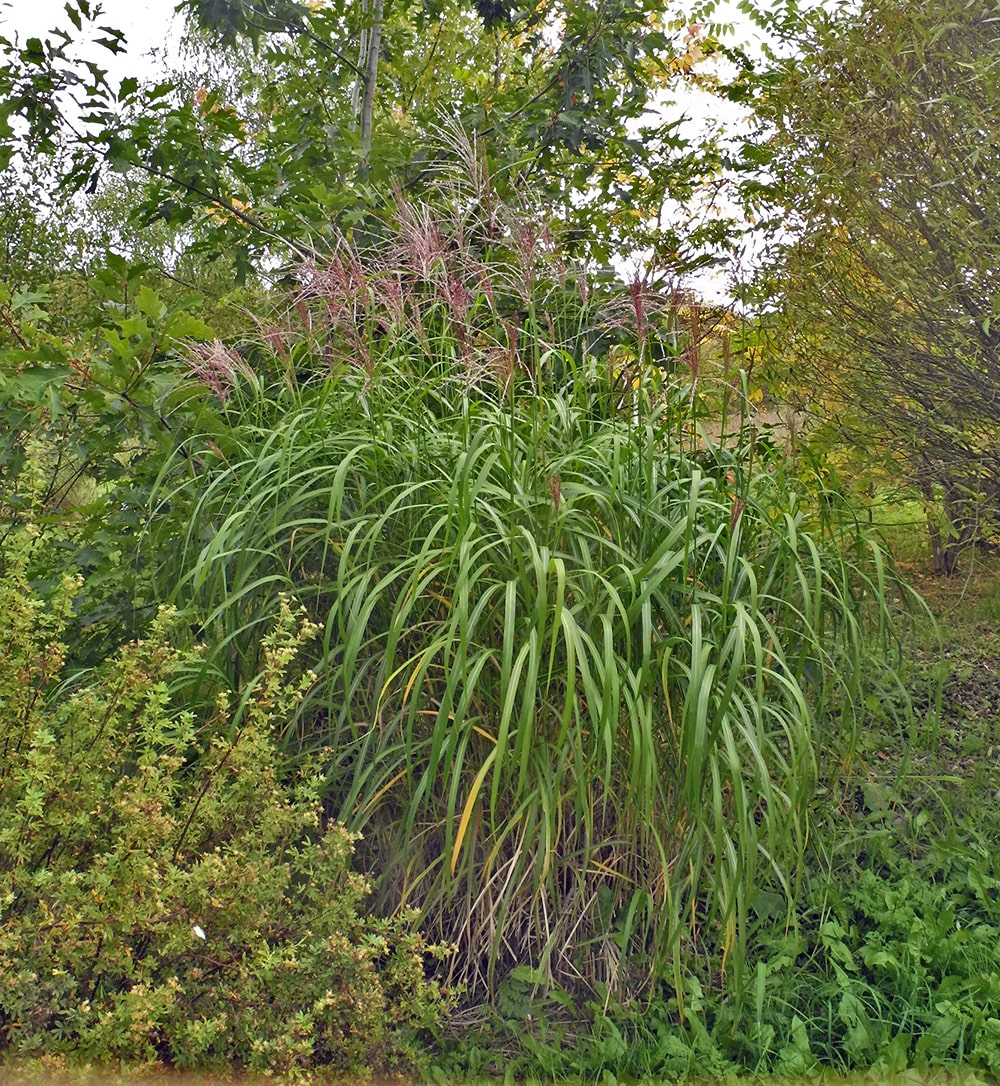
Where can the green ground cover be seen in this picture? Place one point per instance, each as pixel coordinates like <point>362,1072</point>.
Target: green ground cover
<point>85,1077</point>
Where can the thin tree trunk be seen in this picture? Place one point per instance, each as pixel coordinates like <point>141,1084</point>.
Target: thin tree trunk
<point>371,78</point>
<point>359,78</point>
<point>950,534</point>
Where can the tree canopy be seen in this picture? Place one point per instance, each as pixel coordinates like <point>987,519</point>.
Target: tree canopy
<point>881,143</point>
<point>300,119</point>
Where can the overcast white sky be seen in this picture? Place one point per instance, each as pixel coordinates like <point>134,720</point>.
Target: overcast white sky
<point>145,21</point>
<point>147,24</point>
<point>151,25</point>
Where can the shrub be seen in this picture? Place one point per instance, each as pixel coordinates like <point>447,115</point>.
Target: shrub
<point>168,890</point>
<point>571,670</point>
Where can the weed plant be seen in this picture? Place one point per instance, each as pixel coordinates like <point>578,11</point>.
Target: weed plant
<point>572,661</point>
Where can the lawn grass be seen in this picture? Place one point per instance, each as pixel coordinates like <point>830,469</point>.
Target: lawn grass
<point>34,1073</point>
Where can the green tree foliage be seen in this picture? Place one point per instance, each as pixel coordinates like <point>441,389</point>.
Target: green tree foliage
<point>88,408</point>
<point>881,140</point>
<point>168,888</point>
<point>33,240</point>
<point>300,129</point>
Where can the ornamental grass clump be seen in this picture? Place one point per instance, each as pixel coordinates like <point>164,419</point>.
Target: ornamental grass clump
<point>169,892</point>
<point>571,675</point>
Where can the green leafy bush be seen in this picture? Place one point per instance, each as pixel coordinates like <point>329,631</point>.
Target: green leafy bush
<point>87,413</point>
<point>168,891</point>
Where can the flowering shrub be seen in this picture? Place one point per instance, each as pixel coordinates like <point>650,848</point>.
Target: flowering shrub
<point>169,892</point>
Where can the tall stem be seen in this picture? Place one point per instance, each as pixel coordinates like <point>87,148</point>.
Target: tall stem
<point>359,78</point>
<point>371,77</point>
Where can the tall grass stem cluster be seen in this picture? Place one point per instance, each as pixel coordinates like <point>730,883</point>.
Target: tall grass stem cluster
<point>575,665</point>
